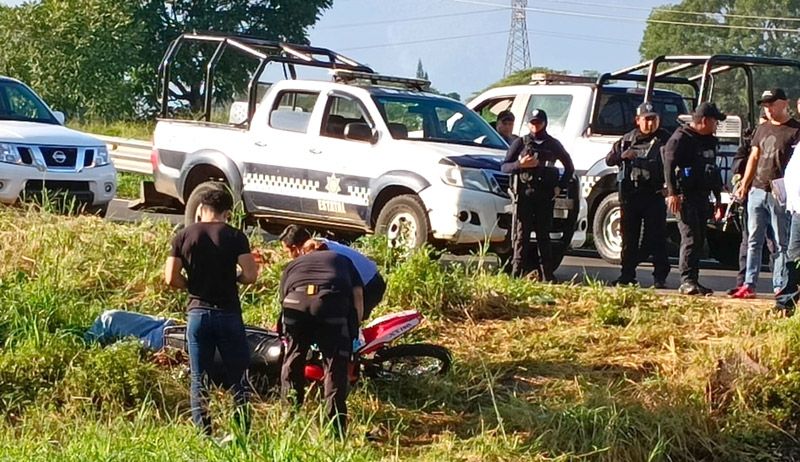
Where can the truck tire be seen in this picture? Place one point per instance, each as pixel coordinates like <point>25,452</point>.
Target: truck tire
<point>191,211</point>
<point>404,221</point>
<point>606,229</point>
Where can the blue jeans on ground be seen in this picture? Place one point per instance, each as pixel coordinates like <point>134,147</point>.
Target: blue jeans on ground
<point>764,212</point>
<point>209,331</point>
<point>790,292</point>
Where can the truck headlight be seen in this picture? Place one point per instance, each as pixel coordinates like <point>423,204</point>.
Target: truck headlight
<point>9,155</point>
<point>101,156</point>
<point>469,178</point>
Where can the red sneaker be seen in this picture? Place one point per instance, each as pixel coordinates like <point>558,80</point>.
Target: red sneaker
<point>745,292</point>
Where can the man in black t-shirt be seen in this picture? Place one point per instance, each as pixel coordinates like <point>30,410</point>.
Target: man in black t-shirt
<point>319,290</point>
<point>210,251</point>
<point>772,145</point>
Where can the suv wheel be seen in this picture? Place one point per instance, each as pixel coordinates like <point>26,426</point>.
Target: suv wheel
<point>607,229</point>
<point>404,222</point>
<point>191,212</point>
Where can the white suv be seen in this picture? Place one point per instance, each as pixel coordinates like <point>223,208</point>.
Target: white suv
<point>38,154</point>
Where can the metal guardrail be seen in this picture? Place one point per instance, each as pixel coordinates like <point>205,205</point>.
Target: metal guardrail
<point>129,155</point>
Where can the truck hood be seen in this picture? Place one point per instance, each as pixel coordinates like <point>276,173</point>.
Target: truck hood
<point>463,156</point>
<point>12,131</point>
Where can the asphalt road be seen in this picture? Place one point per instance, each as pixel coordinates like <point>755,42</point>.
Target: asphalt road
<point>580,266</point>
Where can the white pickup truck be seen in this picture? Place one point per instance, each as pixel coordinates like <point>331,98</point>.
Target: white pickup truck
<point>364,153</point>
<point>37,154</point>
<point>588,118</point>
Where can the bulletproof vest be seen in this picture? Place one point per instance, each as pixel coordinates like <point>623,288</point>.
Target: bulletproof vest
<point>703,175</point>
<point>542,179</point>
<point>644,172</point>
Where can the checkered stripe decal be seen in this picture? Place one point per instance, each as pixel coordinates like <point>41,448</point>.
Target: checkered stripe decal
<point>587,184</point>
<point>360,193</point>
<point>281,182</point>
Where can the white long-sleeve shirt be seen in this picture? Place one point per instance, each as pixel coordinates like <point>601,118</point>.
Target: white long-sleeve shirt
<point>791,182</point>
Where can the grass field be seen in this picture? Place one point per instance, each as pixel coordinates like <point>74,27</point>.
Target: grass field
<point>541,372</point>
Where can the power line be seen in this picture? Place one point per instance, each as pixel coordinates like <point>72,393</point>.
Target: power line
<point>415,18</point>
<point>630,19</point>
<point>691,13</point>
<point>588,38</point>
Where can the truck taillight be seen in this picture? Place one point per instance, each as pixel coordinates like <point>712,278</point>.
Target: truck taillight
<point>154,158</point>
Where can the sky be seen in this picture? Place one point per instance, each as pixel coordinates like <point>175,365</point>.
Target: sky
<point>462,43</point>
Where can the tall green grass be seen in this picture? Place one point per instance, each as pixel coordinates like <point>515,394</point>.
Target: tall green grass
<point>541,372</point>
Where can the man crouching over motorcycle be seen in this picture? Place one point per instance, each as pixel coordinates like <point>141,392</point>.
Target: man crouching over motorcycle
<point>319,289</point>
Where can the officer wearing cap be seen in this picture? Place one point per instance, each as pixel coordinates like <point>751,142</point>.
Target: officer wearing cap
<point>319,290</point>
<point>691,173</point>
<point>531,162</point>
<point>641,192</point>
<point>772,146</point>
<point>505,126</point>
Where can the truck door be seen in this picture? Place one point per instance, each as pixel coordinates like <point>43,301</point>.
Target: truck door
<point>341,165</point>
<point>275,179</point>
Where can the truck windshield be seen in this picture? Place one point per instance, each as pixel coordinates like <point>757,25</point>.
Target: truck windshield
<point>617,110</point>
<point>420,118</point>
<point>17,102</point>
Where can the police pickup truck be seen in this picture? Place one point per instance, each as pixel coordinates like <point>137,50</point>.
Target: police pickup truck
<point>363,153</point>
<point>589,114</point>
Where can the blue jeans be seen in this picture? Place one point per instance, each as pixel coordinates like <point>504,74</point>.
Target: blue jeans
<point>764,212</point>
<point>790,292</point>
<point>209,331</point>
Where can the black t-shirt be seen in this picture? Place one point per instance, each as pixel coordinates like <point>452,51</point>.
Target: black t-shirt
<point>324,268</point>
<point>210,252</point>
<point>776,143</point>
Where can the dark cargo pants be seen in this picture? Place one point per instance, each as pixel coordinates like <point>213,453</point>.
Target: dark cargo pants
<point>646,209</point>
<point>692,222</point>
<point>534,214</point>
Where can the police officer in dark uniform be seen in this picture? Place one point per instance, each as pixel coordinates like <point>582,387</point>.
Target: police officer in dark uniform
<point>690,169</point>
<point>319,290</point>
<point>535,183</point>
<point>641,192</point>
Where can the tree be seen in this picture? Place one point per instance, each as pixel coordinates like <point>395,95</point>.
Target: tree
<point>75,53</point>
<point>421,74</point>
<point>729,91</point>
<point>99,58</point>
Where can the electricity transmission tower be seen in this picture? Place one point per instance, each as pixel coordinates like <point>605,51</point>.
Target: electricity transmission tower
<point>518,56</point>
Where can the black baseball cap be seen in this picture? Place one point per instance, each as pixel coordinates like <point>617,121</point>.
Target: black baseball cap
<point>710,110</point>
<point>646,110</point>
<point>538,115</point>
<point>770,96</point>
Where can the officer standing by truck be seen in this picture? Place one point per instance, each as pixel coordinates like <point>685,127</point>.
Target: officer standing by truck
<point>640,184</point>
<point>535,184</point>
<point>691,173</point>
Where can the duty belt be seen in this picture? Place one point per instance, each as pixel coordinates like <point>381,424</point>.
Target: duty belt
<point>314,289</point>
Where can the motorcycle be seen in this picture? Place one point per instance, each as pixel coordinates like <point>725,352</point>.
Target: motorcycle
<point>373,355</point>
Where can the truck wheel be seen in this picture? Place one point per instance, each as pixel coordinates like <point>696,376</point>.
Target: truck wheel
<point>191,212</point>
<point>724,247</point>
<point>607,229</point>
<point>404,222</point>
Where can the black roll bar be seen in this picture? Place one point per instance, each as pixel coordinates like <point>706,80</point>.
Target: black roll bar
<point>262,50</point>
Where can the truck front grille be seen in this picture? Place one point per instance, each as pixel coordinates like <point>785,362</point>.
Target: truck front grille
<point>59,157</point>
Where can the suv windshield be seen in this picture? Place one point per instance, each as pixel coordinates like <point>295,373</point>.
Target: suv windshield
<point>421,118</point>
<point>17,102</point>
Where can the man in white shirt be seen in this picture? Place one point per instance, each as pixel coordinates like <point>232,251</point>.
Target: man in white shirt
<point>787,297</point>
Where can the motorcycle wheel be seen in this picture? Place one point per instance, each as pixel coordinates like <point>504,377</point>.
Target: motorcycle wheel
<point>411,360</point>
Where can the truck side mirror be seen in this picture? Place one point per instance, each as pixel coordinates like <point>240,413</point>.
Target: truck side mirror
<point>360,131</point>
<point>59,117</point>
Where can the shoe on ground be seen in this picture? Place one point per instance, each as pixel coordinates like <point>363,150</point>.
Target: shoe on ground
<point>783,311</point>
<point>693,288</point>
<point>733,290</point>
<point>225,440</point>
<point>660,284</point>
<point>745,292</point>
<point>704,290</point>
<point>624,282</point>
